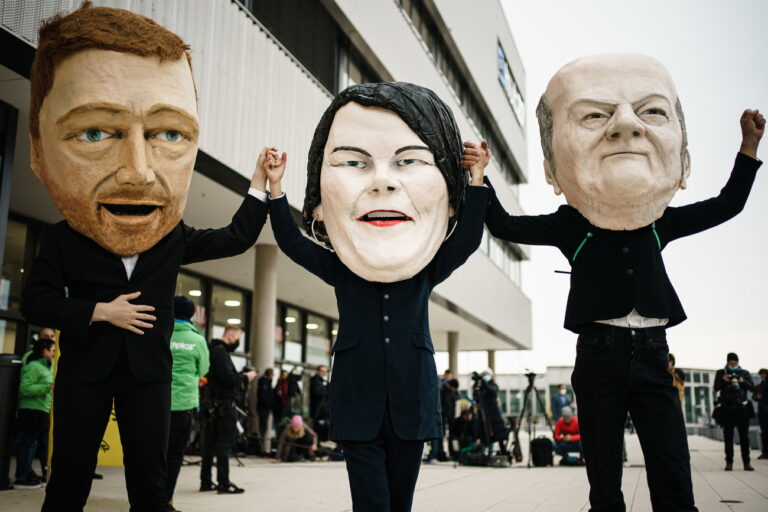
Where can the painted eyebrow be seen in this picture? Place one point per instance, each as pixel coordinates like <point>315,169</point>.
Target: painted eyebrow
<point>169,109</point>
<point>351,148</point>
<point>612,104</point>
<point>111,108</point>
<point>407,148</point>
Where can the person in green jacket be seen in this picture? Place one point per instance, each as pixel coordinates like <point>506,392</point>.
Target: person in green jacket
<point>190,362</point>
<point>35,393</point>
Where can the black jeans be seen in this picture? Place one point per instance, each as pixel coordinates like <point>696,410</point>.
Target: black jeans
<point>620,370</point>
<point>218,438</point>
<point>383,472</point>
<point>736,419</point>
<point>32,438</point>
<point>81,411</point>
<point>181,427</point>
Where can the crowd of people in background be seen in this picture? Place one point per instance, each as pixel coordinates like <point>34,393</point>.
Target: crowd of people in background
<point>210,398</point>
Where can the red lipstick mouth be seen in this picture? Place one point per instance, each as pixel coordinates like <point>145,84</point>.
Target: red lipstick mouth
<point>384,218</point>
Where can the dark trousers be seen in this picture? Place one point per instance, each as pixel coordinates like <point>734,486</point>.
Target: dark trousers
<point>563,448</point>
<point>736,419</point>
<point>383,472</point>
<point>762,416</point>
<point>81,411</point>
<point>620,370</point>
<point>218,437</point>
<point>264,430</point>
<point>181,427</point>
<point>32,438</point>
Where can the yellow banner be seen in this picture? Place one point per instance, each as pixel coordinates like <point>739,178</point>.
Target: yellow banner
<point>110,451</point>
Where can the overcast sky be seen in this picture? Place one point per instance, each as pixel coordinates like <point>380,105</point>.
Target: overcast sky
<point>717,54</point>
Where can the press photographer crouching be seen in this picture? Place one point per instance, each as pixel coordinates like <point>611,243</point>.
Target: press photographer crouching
<point>734,409</point>
<point>297,441</point>
<point>220,429</point>
<point>568,438</point>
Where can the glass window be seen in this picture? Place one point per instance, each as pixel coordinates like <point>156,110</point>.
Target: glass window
<point>228,308</point>
<point>8,330</point>
<point>294,319</point>
<point>318,342</point>
<point>13,266</point>
<point>689,405</point>
<point>696,377</point>
<point>503,400</point>
<point>705,378</point>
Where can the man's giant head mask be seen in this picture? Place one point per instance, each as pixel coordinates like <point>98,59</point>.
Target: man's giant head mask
<point>113,125</point>
<point>384,178</point>
<point>614,140</point>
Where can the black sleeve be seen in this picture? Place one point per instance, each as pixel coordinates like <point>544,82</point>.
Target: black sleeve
<point>317,388</point>
<point>222,367</point>
<point>521,229</point>
<point>693,218</point>
<point>719,384</point>
<point>748,382</point>
<point>44,299</point>
<point>231,240</point>
<point>465,238</point>
<point>316,259</point>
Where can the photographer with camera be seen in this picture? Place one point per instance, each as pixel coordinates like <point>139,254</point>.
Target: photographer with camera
<point>733,382</point>
<point>224,383</point>
<point>486,394</point>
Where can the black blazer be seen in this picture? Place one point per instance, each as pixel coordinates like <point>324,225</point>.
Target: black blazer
<point>72,273</point>
<point>383,355</point>
<point>615,271</point>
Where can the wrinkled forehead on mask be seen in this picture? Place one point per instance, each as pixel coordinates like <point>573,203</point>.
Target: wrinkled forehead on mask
<point>421,109</point>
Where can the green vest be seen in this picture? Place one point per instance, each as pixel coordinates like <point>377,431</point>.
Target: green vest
<point>35,388</point>
<point>190,362</point>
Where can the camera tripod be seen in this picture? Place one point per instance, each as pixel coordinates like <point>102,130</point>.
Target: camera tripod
<point>517,452</point>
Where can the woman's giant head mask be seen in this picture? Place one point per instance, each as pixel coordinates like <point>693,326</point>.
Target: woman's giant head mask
<point>614,140</point>
<point>113,125</point>
<point>384,178</point>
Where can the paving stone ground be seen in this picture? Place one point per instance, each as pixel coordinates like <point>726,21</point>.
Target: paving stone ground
<point>322,486</point>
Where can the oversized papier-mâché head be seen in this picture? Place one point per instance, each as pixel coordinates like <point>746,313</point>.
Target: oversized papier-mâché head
<point>113,125</point>
<point>614,140</point>
<point>384,179</point>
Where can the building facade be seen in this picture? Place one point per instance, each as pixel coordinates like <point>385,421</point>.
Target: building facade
<point>265,71</point>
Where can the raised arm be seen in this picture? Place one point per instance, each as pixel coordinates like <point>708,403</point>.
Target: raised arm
<point>468,231</point>
<point>696,217</point>
<point>318,260</point>
<point>241,233</point>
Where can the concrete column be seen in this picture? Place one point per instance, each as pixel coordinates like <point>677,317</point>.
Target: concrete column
<point>492,360</point>
<point>453,352</point>
<point>264,308</point>
<point>263,313</point>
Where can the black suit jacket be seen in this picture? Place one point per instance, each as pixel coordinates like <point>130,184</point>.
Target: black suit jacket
<point>615,271</point>
<point>383,355</point>
<point>72,273</point>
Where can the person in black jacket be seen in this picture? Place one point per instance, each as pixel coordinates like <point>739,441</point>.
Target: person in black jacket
<point>114,140</point>
<point>318,402</point>
<point>220,429</point>
<point>265,400</point>
<point>614,142</point>
<point>391,155</point>
<point>732,383</point>
<point>491,428</point>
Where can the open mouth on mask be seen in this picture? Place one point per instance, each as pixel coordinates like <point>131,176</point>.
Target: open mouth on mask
<point>130,210</point>
<point>384,218</point>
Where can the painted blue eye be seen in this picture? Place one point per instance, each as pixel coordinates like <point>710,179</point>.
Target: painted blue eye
<point>170,136</point>
<point>354,163</point>
<point>94,135</point>
<point>408,161</point>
